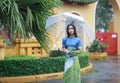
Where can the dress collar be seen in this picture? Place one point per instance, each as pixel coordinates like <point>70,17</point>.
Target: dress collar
<point>72,36</point>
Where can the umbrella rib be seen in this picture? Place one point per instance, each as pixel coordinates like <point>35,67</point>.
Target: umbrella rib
<point>60,35</point>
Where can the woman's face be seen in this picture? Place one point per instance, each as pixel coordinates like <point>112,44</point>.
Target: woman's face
<point>71,30</point>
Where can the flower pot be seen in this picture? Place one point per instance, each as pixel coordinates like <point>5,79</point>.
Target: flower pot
<point>97,56</point>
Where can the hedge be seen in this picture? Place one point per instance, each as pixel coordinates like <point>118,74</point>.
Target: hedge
<point>37,66</point>
<point>20,57</point>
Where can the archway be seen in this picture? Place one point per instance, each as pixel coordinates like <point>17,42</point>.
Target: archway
<point>116,19</point>
<point>116,25</point>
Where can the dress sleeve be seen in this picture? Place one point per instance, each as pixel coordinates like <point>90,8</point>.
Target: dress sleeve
<point>79,46</point>
<point>63,42</point>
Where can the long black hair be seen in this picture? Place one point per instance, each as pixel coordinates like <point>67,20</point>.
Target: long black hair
<point>75,33</point>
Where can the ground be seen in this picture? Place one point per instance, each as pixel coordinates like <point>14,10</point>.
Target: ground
<point>105,71</point>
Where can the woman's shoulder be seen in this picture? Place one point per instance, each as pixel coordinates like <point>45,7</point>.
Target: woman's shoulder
<point>77,38</point>
<point>65,38</point>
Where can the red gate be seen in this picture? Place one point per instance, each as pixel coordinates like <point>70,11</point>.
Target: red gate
<point>110,39</point>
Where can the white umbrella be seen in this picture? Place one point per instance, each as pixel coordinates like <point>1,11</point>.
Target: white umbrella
<point>64,19</point>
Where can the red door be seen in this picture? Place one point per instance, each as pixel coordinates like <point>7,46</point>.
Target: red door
<point>110,39</point>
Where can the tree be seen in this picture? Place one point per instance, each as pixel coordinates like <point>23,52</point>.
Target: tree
<point>104,13</point>
<point>24,17</point>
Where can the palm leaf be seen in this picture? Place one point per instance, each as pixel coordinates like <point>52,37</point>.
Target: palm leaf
<point>26,17</point>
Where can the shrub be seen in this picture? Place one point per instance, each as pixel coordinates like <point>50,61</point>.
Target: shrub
<point>84,59</point>
<point>37,66</point>
<point>56,53</point>
<point>97,46</point>
<point>20,57</point>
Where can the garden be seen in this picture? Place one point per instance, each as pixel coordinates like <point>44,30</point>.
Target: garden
<point>22,20</point>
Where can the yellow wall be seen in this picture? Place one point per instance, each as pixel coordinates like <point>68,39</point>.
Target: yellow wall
<point>111,26</point>
<point>26,47</point>
<point>116,9</point>
<point>87,11</point>
<point>2,46</point>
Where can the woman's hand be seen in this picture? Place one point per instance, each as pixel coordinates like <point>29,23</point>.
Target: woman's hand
<point>74,53</point>
<point>64,50</point>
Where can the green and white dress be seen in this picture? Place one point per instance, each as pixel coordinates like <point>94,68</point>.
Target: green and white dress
<point>72,66</point>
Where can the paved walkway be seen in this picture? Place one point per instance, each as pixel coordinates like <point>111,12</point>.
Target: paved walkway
<point>105,71</point>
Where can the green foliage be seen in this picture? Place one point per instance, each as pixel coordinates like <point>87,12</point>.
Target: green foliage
<point>27,17</point>
<point>30,67</point>
<point>97,46</point>
<point>56,53</point>
<point>1,38</point>
<point>104,14</point>
<point>20,57</point>
<point>37,66</point>
<point>81,1</point>
<point>74,53</point>
<point>83,59</point>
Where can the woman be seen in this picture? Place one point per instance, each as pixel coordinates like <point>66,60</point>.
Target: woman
<point>70,44</point>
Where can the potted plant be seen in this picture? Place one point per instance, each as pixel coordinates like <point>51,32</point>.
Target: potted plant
<point>97,50</point>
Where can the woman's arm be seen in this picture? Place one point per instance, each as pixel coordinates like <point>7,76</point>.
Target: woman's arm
<point>64,50</point>
<point>79,45</point>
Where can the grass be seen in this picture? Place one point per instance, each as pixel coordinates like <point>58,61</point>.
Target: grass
<point>20,57</point>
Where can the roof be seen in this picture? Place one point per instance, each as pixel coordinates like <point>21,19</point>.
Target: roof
<point>80,1</point>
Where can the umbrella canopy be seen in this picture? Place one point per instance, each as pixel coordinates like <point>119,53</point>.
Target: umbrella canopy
<point>57,24</point>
